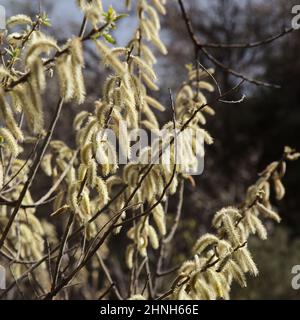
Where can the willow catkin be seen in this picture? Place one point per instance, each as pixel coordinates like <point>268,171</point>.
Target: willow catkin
<point>7,115</point>
<point>209,110</point>
<point>153,16</point>
<point>159,218</point>
<point>85,203</point>
<point>268,213</point>
<point>93,10</point>
<point>77,64</point>
<point>153,237</point>
<point>231,230</point>
<point>245,258</point>
<point>137,297</point>
<point>38,74</point>
<point>36,104</point>
<point>204,290</point>
<point>88,131</point>
<point>66,79</point>
<point>73,197</point>
<point>38,46</point>
<point>144,68</point>
<point>149,83</point>
<point>82,171</point>
<point>79,119</point>
<point>236,272</point>
<point>148,55</point>
<point>25,103</point>
<point>159,6</point>
<point>102,191</point>
<point>160,45</point>
<point>18,20</point>
<point>259,227</point>
<point>155,104</point>
<point>46,164</point>
<point>79,86</point>
<point>9,141</point>
<point>129,256</point>
<point>279,189</point>
<point>204,85</point>
<point>204,242</point>
<point>87,153</point>
<point>217,283</point>
<point>92,173</point>
<point>110,59</point>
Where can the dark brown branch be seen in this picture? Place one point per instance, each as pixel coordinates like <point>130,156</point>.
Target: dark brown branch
<point>108,276</point>
<point>198,46</point>
<point>249,44</point>
<point>62,249</point>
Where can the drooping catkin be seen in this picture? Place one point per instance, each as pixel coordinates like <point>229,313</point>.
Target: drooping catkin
<point>204,242</point>
<point>144,68</point>
<point>93,10</point>
<point>153,237</point>
<point>77,58</point>
<point>66,79</point>
<point>244,257</point>
<point>79,119</point>
<point>110,59</point>
<point>9,141</point>
<point>268,213</point>
<point>159,218</point>
<point>18,20</point>
<point>46,164</point>
<point>236,272</point>
<point>230,230</point>
<point>26,104</point>
<point>37,104</point>
<point>8,117</point>
<point>159,6</point>
<point>38,46</point>
<point>102,191</point>
<point>279,189</point>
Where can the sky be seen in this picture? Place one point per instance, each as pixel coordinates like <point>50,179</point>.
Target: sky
<point>66,13</point>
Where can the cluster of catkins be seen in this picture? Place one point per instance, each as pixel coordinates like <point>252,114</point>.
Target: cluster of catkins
<point>223,257</point>
<point>84,179</point>
<point>34,56</point>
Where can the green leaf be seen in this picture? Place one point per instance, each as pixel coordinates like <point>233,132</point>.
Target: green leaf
<point>44,19</point>
<point>110,11</point>
<point>121,16</point>
<point>109,38</point>
<point>189,66</point>
<point>96,36</point>
<point>47,23</point>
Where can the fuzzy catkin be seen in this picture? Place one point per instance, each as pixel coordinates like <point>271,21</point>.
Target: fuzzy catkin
<point>10,141</point>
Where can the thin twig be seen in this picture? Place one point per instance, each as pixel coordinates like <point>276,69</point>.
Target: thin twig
<point>249,44</point>
<point>62,249</point>
<point>198,45</point>
<point>108,276</point>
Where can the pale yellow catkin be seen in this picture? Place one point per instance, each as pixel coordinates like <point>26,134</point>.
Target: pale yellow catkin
<point>159,218</point>
<point>102,191</point>
<point>8,116</point>
<point>9,141</point>
<point>18,20</point>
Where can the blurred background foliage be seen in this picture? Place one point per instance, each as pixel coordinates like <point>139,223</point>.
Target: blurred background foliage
<point>247,136</point>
